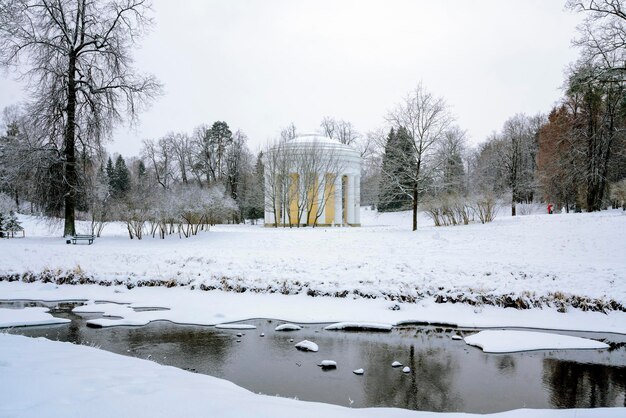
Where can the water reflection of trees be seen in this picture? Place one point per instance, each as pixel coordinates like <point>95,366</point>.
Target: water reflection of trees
<point>506,364</point>
<point>580,385</point>
<point>183,345</point>
<point>429,386</point>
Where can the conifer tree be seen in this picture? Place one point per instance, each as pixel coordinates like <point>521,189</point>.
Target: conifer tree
<point>121,178</point>
<point>395,187</point>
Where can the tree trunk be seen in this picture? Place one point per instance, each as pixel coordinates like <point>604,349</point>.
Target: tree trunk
<point>69,152</point>
<point>415,206</point>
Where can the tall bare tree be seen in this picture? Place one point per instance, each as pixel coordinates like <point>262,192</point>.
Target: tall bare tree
<point>426,118</point>
<point>76,56</point>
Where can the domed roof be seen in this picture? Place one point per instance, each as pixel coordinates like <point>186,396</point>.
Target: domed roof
<point>328,147</point>
<point>310,138</point>
<point>320,141</point>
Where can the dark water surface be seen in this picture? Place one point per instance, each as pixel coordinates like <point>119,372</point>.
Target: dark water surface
<point>446,375</point>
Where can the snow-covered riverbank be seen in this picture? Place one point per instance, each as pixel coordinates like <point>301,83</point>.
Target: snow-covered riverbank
<point>185,306</point>
<point>534,260</point>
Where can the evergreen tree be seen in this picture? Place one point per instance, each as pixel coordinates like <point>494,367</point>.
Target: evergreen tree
<point>12,225</point>
<point>119,179</point>
<point>110,171</point>
<point>397,168</point>
<point>122,175</point>
<point>141,169</point>
<point>220,136</point>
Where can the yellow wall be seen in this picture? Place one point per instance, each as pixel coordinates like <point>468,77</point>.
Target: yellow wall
<point>329,194</point>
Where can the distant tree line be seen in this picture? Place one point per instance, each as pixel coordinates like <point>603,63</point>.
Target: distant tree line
<point>53,159</point>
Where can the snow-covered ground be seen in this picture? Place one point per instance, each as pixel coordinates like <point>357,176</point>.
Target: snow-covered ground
<point>551,261</point>
<point>42,378</point>
<point>537,258</point>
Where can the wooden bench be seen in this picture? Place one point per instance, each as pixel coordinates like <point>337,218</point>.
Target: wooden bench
<point>88,238</point>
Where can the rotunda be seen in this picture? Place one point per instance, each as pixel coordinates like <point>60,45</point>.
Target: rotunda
<point>312,180</point>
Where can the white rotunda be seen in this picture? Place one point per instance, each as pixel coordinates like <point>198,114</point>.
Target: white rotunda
<point>312,180</point>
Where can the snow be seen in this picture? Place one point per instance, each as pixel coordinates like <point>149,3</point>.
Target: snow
<point>235,326</point>
<point>328,364</point>
<point>531,257</point>
<point>358,371</point>
<point>307,345</point>
<point>269,273</point>
<point>396,364</point>
<point>28,317</point>
<point>457,337</point>
<point>360,326</point>
<point>186,306</point>
<point>406,369</point>
<point>288,327</point>
<point>507,341</point>
<point>84,381</point>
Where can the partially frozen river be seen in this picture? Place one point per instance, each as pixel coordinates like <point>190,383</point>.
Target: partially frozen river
<point>446,374</point>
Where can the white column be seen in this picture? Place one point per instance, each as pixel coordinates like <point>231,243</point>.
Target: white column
<point>350,199</point>
<point>338,199</point>
<point>357,199</point>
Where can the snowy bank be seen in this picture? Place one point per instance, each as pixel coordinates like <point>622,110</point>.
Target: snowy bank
<point>501,341</point>
<point>559,261</point>
<point>84,381</point>
<point>216,307</point>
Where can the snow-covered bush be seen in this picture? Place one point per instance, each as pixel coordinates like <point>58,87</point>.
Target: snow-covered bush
<point>448,210</point>
<point>528,208</point>
<point>184,210</point>
<point>485,207</point>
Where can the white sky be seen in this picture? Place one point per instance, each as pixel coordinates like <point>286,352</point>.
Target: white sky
<point>260,65</point>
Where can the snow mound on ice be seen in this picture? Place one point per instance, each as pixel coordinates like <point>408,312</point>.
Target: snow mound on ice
<point>28,317</point>
<point>307,345</point>
<point>235,326</point>
<point>396,364</point>
<point>359,326</point>
<point>288,327</point>
<point>406,369</point>
<point>358,371</point>
<point>498,341</point>
<point>328,364</point>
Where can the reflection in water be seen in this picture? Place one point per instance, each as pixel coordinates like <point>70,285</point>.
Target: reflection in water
<point>579,385</point>
<point>429,384</point>
<point>446,375</point>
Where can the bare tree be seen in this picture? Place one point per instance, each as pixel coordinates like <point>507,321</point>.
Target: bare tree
<point>426,118</point>
<point>517,157</point>
<point>602,36</point>
<point>288,133</point>
<point>181,148</point>
<point>76,55</point>
<point>159,159</point>
<point>339,129</point>
<point>205,152</point>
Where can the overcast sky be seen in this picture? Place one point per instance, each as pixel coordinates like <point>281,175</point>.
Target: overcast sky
<point>259,65</point>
